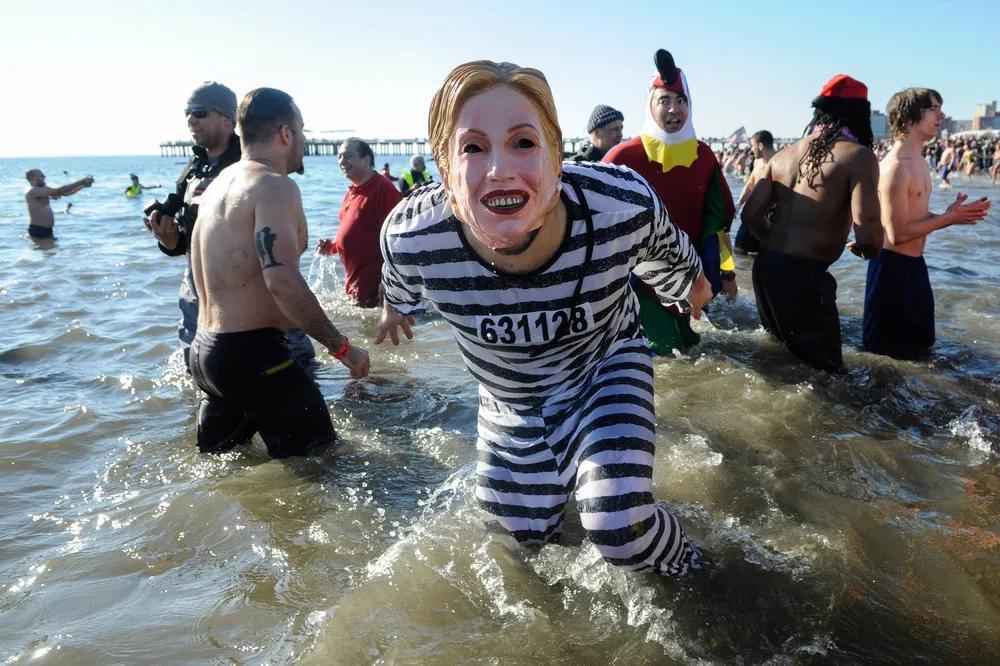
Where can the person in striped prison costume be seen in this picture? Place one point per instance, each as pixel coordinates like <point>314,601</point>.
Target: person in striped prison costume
<point>529,260</point>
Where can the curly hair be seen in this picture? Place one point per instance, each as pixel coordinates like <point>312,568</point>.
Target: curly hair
<point>831,116</point>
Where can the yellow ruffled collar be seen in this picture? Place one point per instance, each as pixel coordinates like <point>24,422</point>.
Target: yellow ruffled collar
<point>668,156</point>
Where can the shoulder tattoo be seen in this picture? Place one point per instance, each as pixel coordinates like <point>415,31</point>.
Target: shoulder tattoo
<point>264,240</point>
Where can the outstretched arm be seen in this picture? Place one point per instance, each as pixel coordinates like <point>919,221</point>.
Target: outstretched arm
<point>73,188</point>
<point>65,190</point>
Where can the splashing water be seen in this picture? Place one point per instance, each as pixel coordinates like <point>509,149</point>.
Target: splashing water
<point>851,519</point>
<point>324,275</point>
<point>967,427</point>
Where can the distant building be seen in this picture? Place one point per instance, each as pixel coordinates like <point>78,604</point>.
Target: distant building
<point>984,116</point>
<point>946,126</point>
<point>988,110</point>
<point>960,126</point>
<point>879,127</point>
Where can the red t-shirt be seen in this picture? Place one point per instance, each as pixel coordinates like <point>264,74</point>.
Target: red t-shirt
<point>362,213</point>
<point>682,189</point>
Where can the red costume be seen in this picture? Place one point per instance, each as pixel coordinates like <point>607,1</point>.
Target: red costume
<point>364,209</point>
<point>686,174</point>
<point>682,189</point>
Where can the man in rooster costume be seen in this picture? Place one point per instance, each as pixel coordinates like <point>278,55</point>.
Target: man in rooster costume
<point>687,176</point>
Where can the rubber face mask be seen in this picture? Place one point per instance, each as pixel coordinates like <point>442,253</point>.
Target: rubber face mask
<point>502,177</point>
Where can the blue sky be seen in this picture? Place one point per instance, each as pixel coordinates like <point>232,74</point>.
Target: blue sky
<point>107,78</point>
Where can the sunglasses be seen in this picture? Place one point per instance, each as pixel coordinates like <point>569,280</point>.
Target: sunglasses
<point>198,112</point>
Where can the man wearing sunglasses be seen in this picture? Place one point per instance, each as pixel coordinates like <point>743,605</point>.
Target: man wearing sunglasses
<point>210,113</point>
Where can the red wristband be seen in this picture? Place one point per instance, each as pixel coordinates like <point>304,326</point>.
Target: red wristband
<point>344,348</point>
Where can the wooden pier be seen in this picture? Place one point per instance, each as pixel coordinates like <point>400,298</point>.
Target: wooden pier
<point>329,147</point>
<point>176,148</point>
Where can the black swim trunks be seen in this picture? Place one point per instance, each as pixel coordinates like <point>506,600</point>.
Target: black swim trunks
<point>252,384</point>
<point>36,231</point>
<point>797,303</point>
<point>746,242</point>
<point>899,306</point>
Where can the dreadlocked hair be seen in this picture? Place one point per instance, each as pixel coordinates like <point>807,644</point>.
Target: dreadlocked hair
<point>831,115</point>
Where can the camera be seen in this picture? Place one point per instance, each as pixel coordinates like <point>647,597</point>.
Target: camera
<point>168,207</point>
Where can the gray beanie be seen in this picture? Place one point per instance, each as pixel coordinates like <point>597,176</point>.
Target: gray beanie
<point>601,116</point>
<point>215,96</point>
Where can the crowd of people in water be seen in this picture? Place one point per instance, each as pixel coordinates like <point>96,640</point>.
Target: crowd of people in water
<point>965,156</point>
<point>560,278</point>
<point>943,156</point>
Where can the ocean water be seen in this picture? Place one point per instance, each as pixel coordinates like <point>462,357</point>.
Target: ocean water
<point>852,519</point>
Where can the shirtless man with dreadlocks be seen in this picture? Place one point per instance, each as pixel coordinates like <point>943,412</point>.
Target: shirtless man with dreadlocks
<point>802,209</point>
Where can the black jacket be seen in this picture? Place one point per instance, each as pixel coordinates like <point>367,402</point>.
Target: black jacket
<point>588,152</point>
<point>198,175</point>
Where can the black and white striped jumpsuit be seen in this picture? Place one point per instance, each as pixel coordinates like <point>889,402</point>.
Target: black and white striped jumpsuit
<point>565,374</point>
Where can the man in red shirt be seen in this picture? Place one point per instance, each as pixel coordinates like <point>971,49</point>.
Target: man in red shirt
<point>367,203</point>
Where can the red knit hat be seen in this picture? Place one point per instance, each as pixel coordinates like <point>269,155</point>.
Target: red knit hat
<point>844,86</point>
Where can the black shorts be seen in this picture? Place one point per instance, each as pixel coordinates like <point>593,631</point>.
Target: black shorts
<point>745,241</point>
<point>252,384</point>
<point>36,231</point>
<point>899,306</point>
<point>797,303</point>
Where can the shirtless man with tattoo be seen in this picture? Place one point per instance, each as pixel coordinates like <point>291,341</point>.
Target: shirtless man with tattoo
<point>899,303</point>
<point>245,250</point>
<point>802,208</point>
